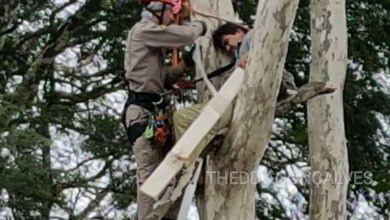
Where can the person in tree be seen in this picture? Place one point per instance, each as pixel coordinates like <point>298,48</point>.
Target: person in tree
<point>147,77</point>
<point>236,40</point>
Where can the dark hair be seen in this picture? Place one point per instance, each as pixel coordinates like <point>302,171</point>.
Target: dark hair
<point>222,30</point>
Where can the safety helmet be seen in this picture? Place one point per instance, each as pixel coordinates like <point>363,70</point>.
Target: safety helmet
<point>176,5</point>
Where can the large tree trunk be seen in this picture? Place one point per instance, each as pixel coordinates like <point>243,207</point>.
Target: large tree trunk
<point>328,152</point>
<point>247,139</point>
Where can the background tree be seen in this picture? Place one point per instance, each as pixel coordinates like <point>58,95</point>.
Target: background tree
<point>62,146</point>
<point>327,142</point>
<point>367,132</point>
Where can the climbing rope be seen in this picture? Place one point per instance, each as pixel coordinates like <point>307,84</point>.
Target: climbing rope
<point>200,66</point>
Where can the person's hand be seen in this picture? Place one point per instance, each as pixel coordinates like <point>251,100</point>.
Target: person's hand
<point>204,27</point>
<point>243,61</point>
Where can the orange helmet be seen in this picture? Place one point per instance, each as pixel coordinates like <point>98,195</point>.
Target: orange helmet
<point>176,5</point>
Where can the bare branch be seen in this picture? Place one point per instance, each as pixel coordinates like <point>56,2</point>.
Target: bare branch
<point>93,204</point>
<point>93,94</point>
<point>306,92</point>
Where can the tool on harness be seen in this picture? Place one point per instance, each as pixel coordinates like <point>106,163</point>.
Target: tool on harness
<point>149,131</point>
<point>151,102</point>
<point>158,129</point>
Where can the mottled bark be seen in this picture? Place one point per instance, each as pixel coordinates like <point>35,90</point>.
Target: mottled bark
<point>247,139</point>
<point>328,152</point>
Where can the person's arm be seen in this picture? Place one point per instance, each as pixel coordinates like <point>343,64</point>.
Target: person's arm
<point>244,49</point>
<point>174,73</point>
<point>246,43</point>
<point>172,36</point>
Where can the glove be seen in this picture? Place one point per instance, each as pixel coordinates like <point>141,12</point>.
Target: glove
<point>187,57</point>
<point>204,27</point>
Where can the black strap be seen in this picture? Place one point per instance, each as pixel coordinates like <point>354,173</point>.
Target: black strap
<point>218,72</point>
<point>143,97</point>
<point>146,100</point>
<point>159,17</point>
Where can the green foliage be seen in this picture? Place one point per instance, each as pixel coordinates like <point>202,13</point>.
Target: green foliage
<point>47,102</point>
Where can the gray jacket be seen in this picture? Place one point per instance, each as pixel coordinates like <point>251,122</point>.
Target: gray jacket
<point>144,60</point>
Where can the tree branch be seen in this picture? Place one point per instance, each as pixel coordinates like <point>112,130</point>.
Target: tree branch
<point>93,204</point>
<point>305,93</point>
<point>93,94</point>
<point>82,182</point>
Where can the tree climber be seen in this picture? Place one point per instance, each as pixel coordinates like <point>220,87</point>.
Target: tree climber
<point>147,78</point>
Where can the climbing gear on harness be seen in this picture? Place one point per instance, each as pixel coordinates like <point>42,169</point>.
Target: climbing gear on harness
<point>158,129</point>
<point>161,128</point>
<point>150,102</point>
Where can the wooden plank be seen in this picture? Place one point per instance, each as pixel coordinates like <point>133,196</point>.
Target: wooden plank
<point>162,176</point>
<point>183,152</point>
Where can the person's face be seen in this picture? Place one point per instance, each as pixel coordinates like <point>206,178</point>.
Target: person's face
<point>230,41</point>
<point>167,17</point>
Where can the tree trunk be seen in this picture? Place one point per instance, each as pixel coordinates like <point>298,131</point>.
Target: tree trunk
<point>230,190</point>
<point>328,152</point>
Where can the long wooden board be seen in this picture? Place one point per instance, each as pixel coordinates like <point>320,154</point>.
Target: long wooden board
<point>183,152</point>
